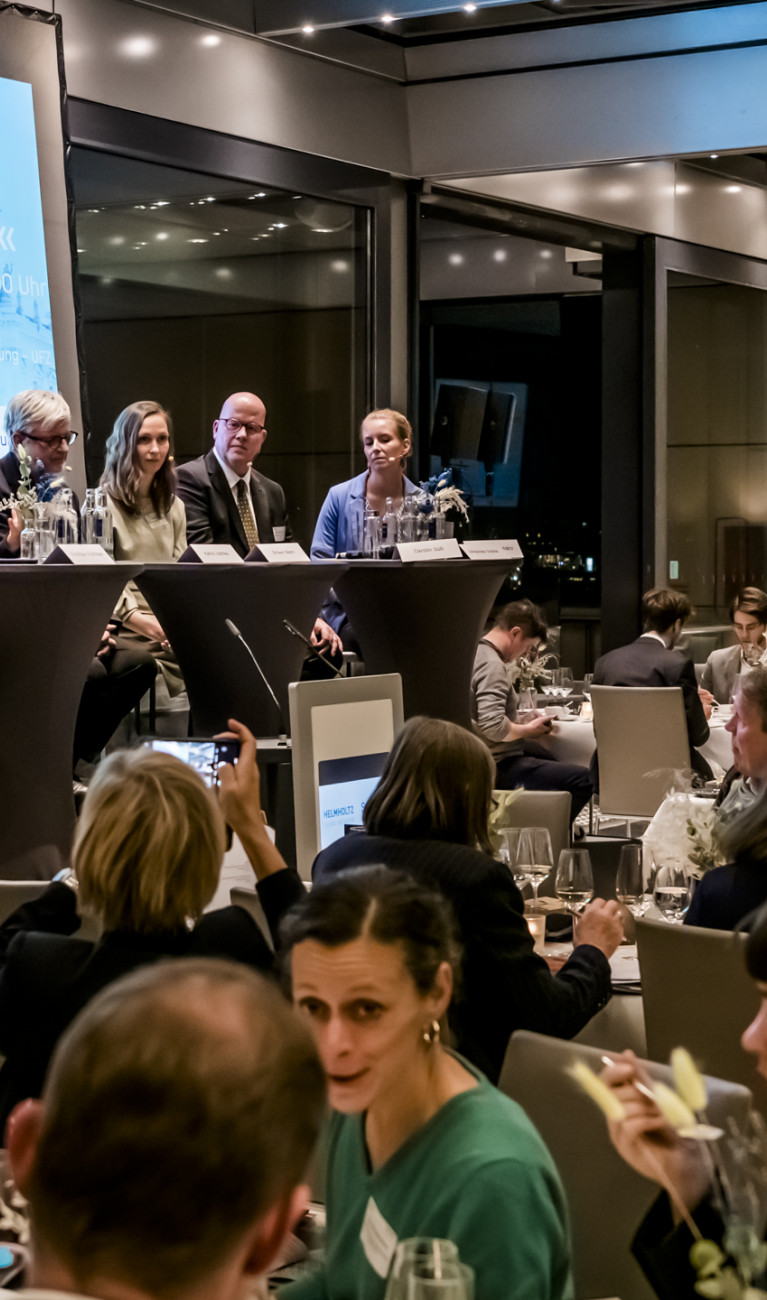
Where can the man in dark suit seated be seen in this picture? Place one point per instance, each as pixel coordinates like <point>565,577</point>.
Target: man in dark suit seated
<point>228,502</point>
<point>653,660</point>
<point>725,895</point>
<point>119,674</point>
<point>168,1155</point>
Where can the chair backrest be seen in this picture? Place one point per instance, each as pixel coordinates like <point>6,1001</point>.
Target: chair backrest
<point>607,1199</point>
<point>13,893</point>
<point>641,735</point>
<point>248,898</point>
<point>549,808</point>
<point>696,992</point>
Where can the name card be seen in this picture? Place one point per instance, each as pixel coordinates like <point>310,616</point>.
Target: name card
<point>210,553</point>
<point>78,553</point>
<point>279,553</point>
<point>446,548</point>
<point>495,549</point>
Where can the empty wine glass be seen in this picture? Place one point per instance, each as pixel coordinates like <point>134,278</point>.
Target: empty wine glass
<point>587,680</point>
<point>574,881</point>
<point>416,1254</point>
<point>509,846</point>
<point>534,858</point>
<point>629,881</point>
<point>671,893</point>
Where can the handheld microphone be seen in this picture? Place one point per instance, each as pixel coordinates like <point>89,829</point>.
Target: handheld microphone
<point>317,654</point>
<point>235,631</point>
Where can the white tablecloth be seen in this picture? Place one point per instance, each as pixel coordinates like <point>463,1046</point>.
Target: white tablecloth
<point>573,742</point>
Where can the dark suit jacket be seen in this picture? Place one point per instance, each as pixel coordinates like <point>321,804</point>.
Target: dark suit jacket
<point>646,662</point>
<point>211,510</point>
<point>725,895</point>
<point>504,984</point>
<point>47,974</point>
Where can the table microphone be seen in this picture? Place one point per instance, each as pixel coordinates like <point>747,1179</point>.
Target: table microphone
<point>235,631</point>
<point>313,651</point>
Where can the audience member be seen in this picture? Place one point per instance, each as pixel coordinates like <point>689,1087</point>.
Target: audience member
<point>653,660</point>
<point>149,519</point>
<point>428,816</point>
<point>167,1156</point>
<point>726,894</point>
<point>748,615</point>
<point>146,861</point>
<point>386,441</point>
<point>517,632</point>
<point>420,1144</point>
<point>228,501</point>
<point>647,1142</point>
<point>119,674</point>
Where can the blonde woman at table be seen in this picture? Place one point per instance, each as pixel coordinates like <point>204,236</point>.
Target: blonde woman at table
<point>419,1143</point>
<point>149,519</point>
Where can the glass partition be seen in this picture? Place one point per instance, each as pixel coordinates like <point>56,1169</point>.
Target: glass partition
<point>716,441</point>
<point>193,287</point>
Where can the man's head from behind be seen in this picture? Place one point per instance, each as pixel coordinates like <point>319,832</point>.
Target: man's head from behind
<point>176,1124</point>
<point>41,422</point>
<point>665,611</point>
<point>239,432</point>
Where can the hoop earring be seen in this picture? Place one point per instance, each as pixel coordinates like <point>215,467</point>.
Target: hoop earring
<point>431,1034</point>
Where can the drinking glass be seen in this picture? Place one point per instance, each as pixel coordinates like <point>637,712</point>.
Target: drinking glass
<point>629,882</point>
<point>430,1254</point>
<point>454,1282</point>
<point>671,893</point>
<point>587,680</point>
<point>574,881</point>
<point>509,853</point>
<point>534,857</point>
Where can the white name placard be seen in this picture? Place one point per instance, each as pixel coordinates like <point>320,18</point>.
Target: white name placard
<point>79,553</point>
<point>211,553</point>
<point>446,548</point>
<point>279,553</point>
<point>495,549</point>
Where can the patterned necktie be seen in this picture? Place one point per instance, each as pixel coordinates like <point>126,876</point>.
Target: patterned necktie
<point>246,514</point>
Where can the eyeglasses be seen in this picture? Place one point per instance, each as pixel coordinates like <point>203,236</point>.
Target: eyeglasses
<point>58,439</point>
<point>234,425</point>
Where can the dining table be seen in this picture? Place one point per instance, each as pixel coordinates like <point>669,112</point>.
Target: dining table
<point>572,741</point>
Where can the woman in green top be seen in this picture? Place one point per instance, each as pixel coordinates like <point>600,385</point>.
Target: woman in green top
<point>419,1143</point>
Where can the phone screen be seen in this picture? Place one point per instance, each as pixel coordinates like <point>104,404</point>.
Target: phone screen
<point>205,756</point>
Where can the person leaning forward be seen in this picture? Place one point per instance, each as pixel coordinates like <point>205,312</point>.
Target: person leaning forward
<point>167,1157</point>
<point>228,502</point>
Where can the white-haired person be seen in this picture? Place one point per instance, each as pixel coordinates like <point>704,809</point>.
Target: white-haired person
<point>119,674</point>
<point>146,862</point>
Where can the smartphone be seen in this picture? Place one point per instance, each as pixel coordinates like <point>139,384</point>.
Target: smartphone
<point>205,756</point>
<point>13,1260</point>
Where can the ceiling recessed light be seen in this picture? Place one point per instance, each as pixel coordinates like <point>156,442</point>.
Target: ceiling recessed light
<point>456,259</point>
<point>713,155</point>
<point>733,189</point>
<point>307,29</point>
<point>116,240</point>
<point>387,18</point>
<point>196,241</point>
<point>339,265</point>
<point>162,234</point>
<point>82,250</point>
<point>161,203</point>
<point>470,8</point>
<point>280,225</point>
<point>500,255</point>
<point>224,273</point>
<point>210,40</point>
<point>546,253</point>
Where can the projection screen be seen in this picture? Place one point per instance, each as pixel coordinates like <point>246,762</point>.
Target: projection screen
<point>38,336</point>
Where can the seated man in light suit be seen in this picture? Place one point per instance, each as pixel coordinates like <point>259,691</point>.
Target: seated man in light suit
<point>653,660</point>
<point>228,501</point>
<point>167,1158</point>
<point>748,615</point>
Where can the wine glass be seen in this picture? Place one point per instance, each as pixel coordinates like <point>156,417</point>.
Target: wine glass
<point>563,680</point>
<point>629,881</point>
<point>587,680</point>
<point>417,1254</point>
<point>534,858</point>
<point>509,847</point>
<point>671,893</point>
<point>454,1282</point>
<point>574,881</point>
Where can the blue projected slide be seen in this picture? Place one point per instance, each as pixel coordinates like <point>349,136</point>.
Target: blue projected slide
<point>26,334</point>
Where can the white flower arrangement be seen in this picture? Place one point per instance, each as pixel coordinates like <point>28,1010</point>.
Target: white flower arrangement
<point>684,832</point>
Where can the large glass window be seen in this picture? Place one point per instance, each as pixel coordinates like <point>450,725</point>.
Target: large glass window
<point>717,441</point>
<point>193,287</point>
